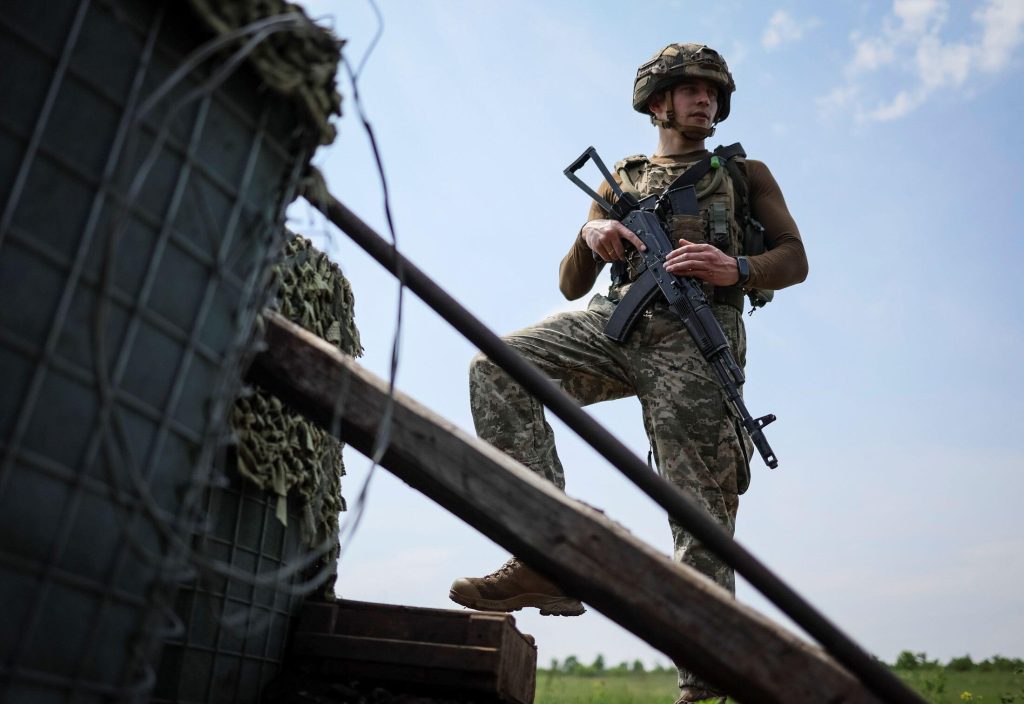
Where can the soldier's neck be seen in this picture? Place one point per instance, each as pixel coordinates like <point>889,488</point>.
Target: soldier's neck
<point>671,142</point>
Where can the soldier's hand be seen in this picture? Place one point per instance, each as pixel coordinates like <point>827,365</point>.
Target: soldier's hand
<point>702,261</point>
<point>605,238</point>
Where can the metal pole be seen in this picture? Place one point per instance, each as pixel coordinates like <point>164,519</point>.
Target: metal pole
<point>679,507</point>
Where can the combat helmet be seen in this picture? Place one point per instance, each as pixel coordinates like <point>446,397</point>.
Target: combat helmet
<point>679,61</point>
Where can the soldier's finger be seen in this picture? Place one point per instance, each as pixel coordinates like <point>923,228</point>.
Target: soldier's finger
<point>621,231</point>
<point>633,239</point>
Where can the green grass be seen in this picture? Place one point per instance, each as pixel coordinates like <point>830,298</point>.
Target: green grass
<point>938,686</point>
<point>947,687</point>
<point>634,688</point>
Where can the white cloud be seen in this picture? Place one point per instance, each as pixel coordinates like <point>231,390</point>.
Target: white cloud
<point>941,64</point>
<point>913,47</point>
<point>1003,23</point>
<point>918,16</point>
<point>899,106</point>
<point>870,54</point>
<point>838,99</point>
<point>783,28</point>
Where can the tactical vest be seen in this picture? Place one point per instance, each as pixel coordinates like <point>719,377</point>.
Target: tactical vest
<point>724,219</point>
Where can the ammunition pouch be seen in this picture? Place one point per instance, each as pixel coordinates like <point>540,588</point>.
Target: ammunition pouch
<point>728,295</point>
<point>753,243</point>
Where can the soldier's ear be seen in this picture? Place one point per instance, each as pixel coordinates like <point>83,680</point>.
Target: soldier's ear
<point>656,102</point>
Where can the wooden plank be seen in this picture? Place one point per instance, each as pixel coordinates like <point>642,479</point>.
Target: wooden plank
<point>402,665</point>
<point>458,627</point>
<point>317,617</point>
<point>432,656</point>
<point>423,684</point>
<point>445,651</point>
<point>670,606</point>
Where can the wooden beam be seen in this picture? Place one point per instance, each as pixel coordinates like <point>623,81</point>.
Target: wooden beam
<point>472,655</point>
<point>672,607</point>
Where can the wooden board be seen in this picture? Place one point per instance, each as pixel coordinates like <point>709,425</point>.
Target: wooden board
<point>481,656</point>
<point>670,606</point>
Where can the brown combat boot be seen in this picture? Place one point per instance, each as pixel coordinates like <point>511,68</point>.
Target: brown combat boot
<point>511,587</point>
<point>690,695</point>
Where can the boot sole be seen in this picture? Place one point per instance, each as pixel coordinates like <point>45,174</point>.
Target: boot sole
<point>548,605</point>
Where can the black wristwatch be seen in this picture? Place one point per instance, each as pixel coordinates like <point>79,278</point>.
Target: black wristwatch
<point>743,266</point>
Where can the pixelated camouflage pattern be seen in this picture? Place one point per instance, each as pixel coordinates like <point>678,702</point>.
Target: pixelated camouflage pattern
<point>693,432</point>
<point>277,449</point>
<point>677,62</point>
<point>696,440</point>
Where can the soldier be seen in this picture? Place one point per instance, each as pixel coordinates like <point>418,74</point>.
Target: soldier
<point>696,442</point>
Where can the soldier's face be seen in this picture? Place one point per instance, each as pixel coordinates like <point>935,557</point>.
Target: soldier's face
<point>695,101</point>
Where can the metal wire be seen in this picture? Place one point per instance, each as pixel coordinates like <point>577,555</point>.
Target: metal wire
<point>382,438</point>
<point>177,559</point>
<point>174,534</point>
<point>128,485</point>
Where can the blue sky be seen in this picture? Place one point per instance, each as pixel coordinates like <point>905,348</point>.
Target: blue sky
<point>893,129</point>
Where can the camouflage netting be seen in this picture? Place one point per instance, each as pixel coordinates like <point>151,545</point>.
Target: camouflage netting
<point>278,450</point>
<point>300,63</point>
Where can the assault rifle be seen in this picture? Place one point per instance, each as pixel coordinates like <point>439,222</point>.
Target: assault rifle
<point>684,295</point>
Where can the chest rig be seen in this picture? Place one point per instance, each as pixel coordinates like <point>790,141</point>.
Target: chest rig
<point>718,223</point>
<point>724,219</point>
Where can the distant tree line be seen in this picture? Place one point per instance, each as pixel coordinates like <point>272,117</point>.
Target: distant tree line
<point>572,666</point>
<point>906,660</point>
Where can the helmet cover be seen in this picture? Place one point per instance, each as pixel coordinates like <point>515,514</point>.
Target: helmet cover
<point>677,62</point>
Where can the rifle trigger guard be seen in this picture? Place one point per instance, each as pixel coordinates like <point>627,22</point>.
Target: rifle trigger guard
<point>765,420</point>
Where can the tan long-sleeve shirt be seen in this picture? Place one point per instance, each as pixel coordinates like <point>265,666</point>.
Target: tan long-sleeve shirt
<point>783,264</point>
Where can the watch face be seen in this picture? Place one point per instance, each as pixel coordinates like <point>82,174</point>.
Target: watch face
<point>743,268</point>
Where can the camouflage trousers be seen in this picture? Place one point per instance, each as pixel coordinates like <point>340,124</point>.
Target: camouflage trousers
<point>693,434</point>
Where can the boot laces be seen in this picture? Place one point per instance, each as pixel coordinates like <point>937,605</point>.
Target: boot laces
<point>508,568</point>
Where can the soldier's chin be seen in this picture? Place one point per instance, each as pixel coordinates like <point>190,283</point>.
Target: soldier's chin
<point>694,131</point>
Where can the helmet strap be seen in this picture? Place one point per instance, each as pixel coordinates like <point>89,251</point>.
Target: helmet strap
<point>691,132</point>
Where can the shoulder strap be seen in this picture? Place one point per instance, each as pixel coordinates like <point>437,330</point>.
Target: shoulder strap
<point>733,156</point>
<point>696,172</point>
<point>629,170</point>
<point>729,152</point>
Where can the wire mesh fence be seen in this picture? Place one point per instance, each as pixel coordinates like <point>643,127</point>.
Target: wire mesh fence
<point>268,540</point>
<point>144,169</point>
<point>233,632</point>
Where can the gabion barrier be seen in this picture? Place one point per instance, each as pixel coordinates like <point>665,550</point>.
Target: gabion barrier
<point>145,163</point>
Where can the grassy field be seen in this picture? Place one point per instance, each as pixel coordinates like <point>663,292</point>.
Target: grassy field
<point>938,686</point>
<point>634,688</point>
